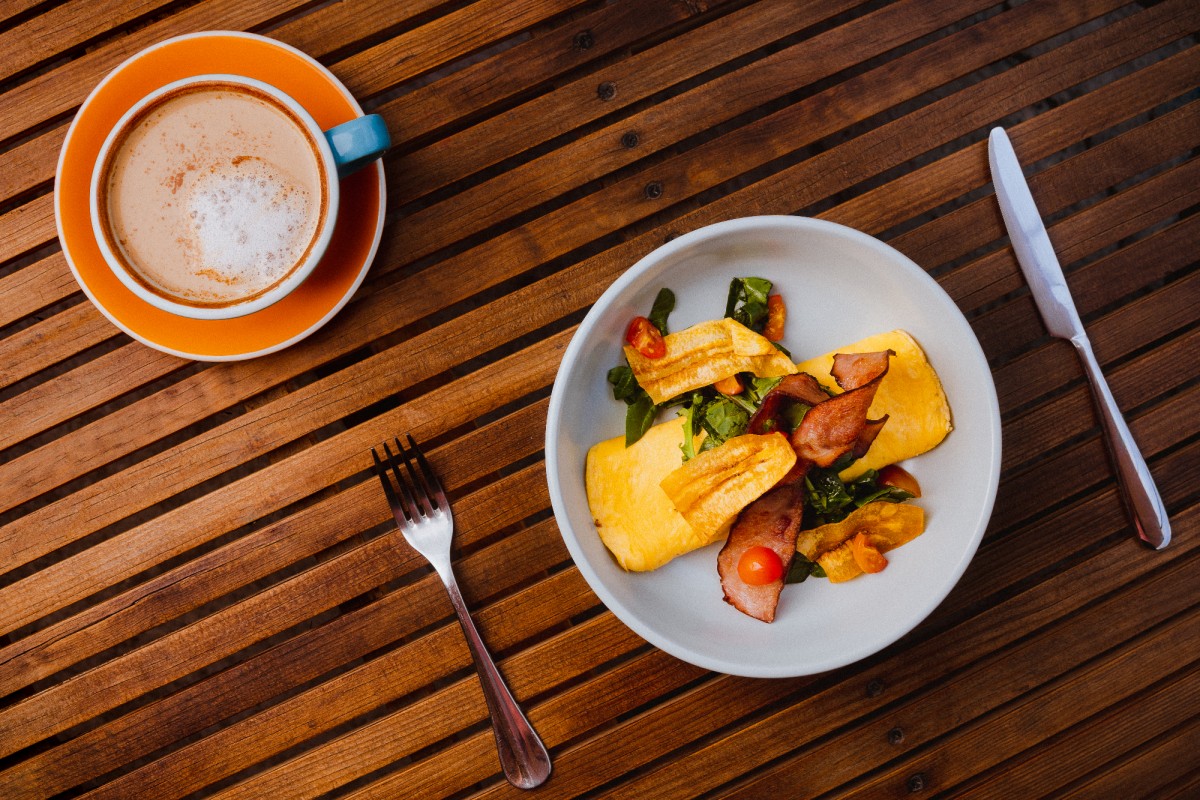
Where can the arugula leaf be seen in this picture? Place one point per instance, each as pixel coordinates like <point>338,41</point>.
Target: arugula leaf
<point>826,495</point>
<point>722,419</point>
<point>625,385</point>
<point>691,426</point>
<point>664,304</point>
<point>640,411</point>
<point>802,569</point>
<point>866,489</point>
<point>638,418</point>
<point>831,499</point>
<point>794,414</point>
<point>747,302</point>
<point>757,388</point>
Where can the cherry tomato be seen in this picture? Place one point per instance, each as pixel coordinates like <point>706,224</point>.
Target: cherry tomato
<point>644,337</point>
<point>866,555</point>
<point>776,316</point>
<point>899,478</point>
<point>759,566</point>
<point>731,385</point>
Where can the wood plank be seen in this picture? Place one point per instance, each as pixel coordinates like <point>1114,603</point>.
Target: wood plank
<point>27,227</point>
<point>275,609</point>
<point>676,118</point>
<point>997,273</point>
<point>99,438</point>
<point>951,46</point>
<point>411,235</point>
<point>1071,416</point>
<point>541,119</point>
<point>328,28</point>
<point>31,288</point>
<point>456,708</point>
<point>824,767</point>
<point>257,555</point>
<point>30,166</point>
<point>620,748</point>
<point>1027,374</point>
<point>1149,773</point>
<point>1048,712</point>
<point>63,27</point>
<point>51,341</point>
<point>1121,380</point>
<point>443,40</point>
<point>11,8</point>
<point>608,696</point>
<point>61,90</point>
<point>1007,618</point>
<point>433,289</point>
<point>962,230</point>
<point>1090,748</point>
<point>452,97</point>
<point>377,62</point>
<point>1079,467</point>
<point>531,66</point>
<point>254,681</point>
<point>537,290</point>
<point>1147,86</point>
<point>391,677</point>
<point>86,387</point>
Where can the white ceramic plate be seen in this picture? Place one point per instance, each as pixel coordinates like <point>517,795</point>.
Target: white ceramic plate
<point>840,285</point>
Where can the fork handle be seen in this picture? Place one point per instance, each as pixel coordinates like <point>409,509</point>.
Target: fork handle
<point>523,757</point>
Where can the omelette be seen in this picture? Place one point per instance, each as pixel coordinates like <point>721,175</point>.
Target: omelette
<point>636,520</point>
<point>641,525</point>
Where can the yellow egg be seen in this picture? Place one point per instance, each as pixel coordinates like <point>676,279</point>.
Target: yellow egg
<point>910,393</point>
<point>635,519</point>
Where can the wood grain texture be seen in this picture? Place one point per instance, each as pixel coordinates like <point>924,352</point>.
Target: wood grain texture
<point>201,593</point>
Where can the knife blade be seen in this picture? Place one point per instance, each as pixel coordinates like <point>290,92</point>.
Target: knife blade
<point>1035,254</point>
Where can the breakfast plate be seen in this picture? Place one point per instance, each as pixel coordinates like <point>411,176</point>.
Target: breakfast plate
<point>840,285</point>
<point>355,238</point>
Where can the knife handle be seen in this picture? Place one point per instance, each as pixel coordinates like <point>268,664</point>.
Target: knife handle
<point>1133,476</point>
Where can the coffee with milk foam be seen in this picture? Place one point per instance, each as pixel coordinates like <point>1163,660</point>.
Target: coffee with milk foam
<point>214,195</point>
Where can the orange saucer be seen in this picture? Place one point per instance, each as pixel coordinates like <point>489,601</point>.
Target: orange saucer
<point>355,239</point>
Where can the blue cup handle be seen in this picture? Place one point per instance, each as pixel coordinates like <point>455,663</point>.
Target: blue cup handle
<point>357,143</point>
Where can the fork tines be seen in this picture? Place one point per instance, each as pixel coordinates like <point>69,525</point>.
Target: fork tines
<point>420,488</point>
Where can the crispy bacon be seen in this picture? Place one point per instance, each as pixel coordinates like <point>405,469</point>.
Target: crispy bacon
<point>852,370</point>
<point>801,387</point>
<point>831,429</point>
<point>772,521</point>
<point>866,437</point>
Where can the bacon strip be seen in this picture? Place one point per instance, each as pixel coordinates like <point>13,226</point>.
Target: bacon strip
<point>801,387</point>
<point>831,429</point>
<point>773,521</point>
<point>852,370</point>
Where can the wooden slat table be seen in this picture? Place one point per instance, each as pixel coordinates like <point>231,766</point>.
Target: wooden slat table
<point>200,591</point>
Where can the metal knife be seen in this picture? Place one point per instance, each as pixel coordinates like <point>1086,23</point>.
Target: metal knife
<point>1036,256</point>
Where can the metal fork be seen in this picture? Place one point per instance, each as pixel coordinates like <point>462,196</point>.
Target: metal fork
<point>424,518</point>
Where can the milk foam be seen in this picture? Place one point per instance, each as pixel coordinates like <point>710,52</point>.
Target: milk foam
<point>249,225</point>
<point>215,195</point>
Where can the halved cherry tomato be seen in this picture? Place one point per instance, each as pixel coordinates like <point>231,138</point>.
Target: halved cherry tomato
<point>866,555</point>
<point>776,316</point>
<point>759,566</point>
<point>731,385</point>
<point>646,338</point>
<point>899,478</point>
